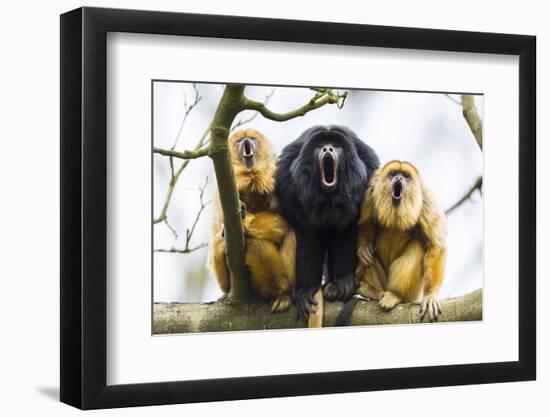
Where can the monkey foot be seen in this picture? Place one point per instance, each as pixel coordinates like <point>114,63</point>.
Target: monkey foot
<point>281,303</point>
<point>389,300</point>
<point>341,289</point>
<point>305,303</point>
<point>430,306</point>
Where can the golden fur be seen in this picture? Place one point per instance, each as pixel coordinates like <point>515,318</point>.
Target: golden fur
<point>401,247</point>
<point>270,242</point>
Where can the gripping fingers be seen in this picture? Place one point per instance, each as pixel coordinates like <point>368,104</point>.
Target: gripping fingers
<point>305,303</point>
<point>430,307</point>
<point>366,255</point>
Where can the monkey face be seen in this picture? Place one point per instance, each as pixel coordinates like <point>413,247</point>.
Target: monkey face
<point>328,156</point>
<point>246,149</point>
<point>396,193</point>
<point>399,181</point>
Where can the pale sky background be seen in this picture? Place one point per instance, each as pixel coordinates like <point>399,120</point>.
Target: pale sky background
<point>427,129</point>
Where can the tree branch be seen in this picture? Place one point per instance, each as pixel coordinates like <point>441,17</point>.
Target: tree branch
<point>182,251</point>
<point>182,155</point>
<point>189,232</point>
<point>242,122</point>
<point>175,177</point>
<point>225,315</point>
<point>477,186</point>
<point>229,106</point>
<point>469,112</point>
<point>321,98</point>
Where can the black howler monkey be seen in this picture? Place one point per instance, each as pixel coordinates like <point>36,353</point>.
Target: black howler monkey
<point>321,177</point>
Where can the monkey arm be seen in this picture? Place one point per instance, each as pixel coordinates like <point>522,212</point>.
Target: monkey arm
<point>366,245</point>
<point>434,264</point>
<point>218,262</point>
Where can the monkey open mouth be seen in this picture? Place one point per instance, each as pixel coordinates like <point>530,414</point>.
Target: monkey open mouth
<point>247,150</point>
<point>329,167</point>
<point>397,190</point>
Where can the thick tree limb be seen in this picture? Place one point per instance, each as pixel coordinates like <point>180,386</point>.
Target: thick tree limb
<point>477,186</point>
<point>229,106</point>
<point>225,315</point>
<point>469,112</point>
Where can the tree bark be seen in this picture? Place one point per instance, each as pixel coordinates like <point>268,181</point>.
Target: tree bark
<point>228,108</point>
<point>227,315</point>
<point>469,112</point>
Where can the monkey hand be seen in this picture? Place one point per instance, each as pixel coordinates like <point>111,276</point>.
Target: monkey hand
<point>431,307</point>
<point>366,255</point>
<point>304,302</point>
<point>341,288</point>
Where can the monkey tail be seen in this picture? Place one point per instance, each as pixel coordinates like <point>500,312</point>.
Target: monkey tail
<point>344,316</point>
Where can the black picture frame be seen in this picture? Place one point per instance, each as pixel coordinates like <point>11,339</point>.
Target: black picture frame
<point>84,207</point>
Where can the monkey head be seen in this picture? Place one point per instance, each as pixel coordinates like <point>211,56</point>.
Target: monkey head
<point>328,155</point>
<point>397,195</point>
<point>248,147</point>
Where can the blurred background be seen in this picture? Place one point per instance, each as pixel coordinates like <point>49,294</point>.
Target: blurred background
<point>427,129</point>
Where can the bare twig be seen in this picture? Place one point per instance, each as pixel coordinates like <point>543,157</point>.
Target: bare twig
<point>182,251</point>
<point>188,109</point>
<point>171,228</point>
<point>201,143</point>
<point>189,232</point>
<point>321,98</point>
<point>469,112</point>
<point>182,155</point>
<point>454,100</point>
<point>477,186</point>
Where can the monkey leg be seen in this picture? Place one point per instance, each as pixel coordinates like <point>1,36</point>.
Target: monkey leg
<point>268,274</point>
<point>310,252</point>
<point>265,225</point>
<point>218,263</point>
<point>342,263</point>
<point>405,277</point>
<point>373,282</point>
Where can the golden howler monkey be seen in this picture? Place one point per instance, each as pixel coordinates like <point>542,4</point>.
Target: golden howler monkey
<point>401,242</point>
<point>270,243</point>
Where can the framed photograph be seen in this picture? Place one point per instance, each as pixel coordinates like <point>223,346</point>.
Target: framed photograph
<point>258,208</point>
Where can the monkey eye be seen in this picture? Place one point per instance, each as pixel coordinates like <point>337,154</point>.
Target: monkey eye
<point>392,173</point>
<point>406,175</point>
<point>252,139</point>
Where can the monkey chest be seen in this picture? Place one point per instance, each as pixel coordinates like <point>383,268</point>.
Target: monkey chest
<point>254,202</point>
<point>390,244</point>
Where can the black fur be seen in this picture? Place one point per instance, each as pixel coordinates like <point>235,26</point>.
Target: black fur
<point>324,222</point>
